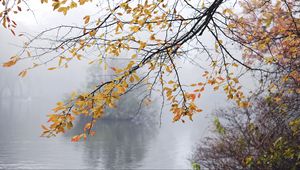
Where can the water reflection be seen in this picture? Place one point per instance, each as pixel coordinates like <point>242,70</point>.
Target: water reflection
<point>117,144</point>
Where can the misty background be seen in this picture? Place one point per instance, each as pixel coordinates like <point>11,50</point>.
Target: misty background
<point>25,102</point>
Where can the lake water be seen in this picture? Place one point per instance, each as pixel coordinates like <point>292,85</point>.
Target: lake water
<point>117,144</point>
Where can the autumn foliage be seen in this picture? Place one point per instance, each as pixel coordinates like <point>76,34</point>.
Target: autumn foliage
<point>156,35</point>
<point>268,33</point>
<point>266,134</point>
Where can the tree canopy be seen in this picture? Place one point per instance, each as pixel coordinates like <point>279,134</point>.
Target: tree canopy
<point>263,136</point>
<point>157,35</point>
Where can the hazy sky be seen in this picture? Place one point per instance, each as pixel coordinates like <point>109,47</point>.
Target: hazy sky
<point>53,85</point>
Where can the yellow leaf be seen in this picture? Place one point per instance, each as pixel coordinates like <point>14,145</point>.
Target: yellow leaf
<point>64,10</point>
<point>58,108</point>
<point>244,104</point>
<point>230,26</point>
<point>136,77</point>
<point>168,69</point>
<point>235,80</point>
<point>135,28</point>
<point>119,26</point>
<point>73,4</point>
<point>227,10</point>
<point>111,105</point>
<point>202,4</point>
<point>79,56</point>
<point>91,62</point>
<point>92,33</point>
<point>141,22</point>
<point>171,82</point>
<point>55,6</point>
<point>86,19</point>
<point>149,27</point>
<point>199,110</point>
<point>11,62</point>
<point>60,61</point>
<point>52,68</point>
<point>44,1</point>
<point>81,2</point>
<point>142,45</point>
<point>176,117</point>
<point>152,37</point>
<point>87,126</point>
<point>23,73</point>
<point>133,56</point>
<point>216,88</point>
<point>4,22</point>
<point>131,79</point>
<point>235,65</point>
<point>69,125</point>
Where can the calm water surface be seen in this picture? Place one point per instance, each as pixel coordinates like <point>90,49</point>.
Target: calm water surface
<point>117,144</point>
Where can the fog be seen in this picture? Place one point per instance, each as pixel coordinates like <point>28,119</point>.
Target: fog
<point>25,102</point>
